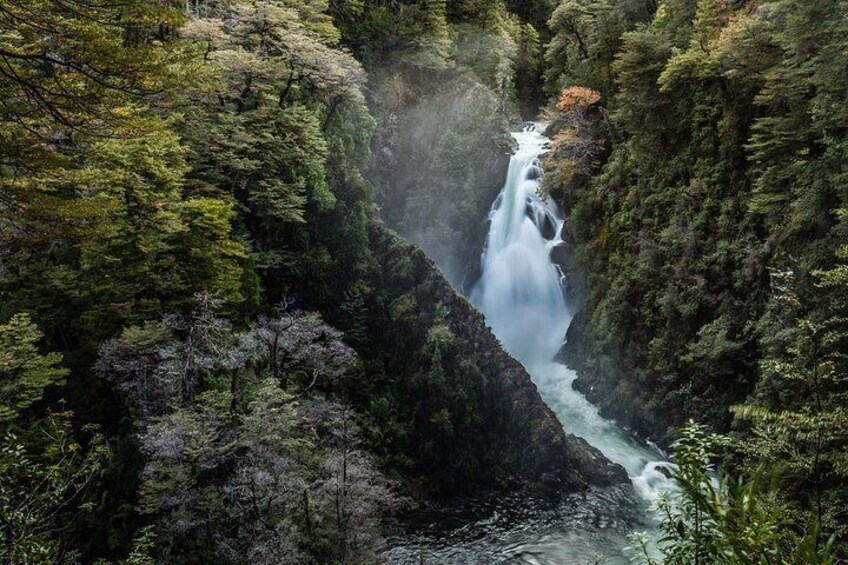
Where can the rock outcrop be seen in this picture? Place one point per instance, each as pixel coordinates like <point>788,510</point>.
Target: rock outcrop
<point>440,159</point>
<point>478,422</point>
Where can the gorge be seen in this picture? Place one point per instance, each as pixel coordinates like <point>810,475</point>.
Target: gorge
<point>279,286</point>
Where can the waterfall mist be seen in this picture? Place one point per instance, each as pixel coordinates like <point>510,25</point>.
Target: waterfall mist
<point>520,289</point>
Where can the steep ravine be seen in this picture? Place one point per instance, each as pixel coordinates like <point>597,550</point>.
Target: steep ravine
<point>501,434</point>
<point>522,297</point>
<point>582,146</point>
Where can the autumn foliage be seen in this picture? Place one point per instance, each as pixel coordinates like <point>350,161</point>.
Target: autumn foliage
<point>577,98</point>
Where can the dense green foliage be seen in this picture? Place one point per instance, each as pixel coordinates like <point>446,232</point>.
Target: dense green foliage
<point>176,179</point>
<point>242,463</point>
<point>43,469</point>
<point>704,190</point>
<point>181,180</point>
<point>731,520</point>
<point>697,198</point>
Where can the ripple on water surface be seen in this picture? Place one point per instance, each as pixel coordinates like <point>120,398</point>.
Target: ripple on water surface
<point>523,530</point>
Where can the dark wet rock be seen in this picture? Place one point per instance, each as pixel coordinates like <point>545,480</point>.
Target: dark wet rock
<point>560,255</point>
<point>548,229</point>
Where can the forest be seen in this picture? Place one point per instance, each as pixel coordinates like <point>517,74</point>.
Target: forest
<point>240,252</point>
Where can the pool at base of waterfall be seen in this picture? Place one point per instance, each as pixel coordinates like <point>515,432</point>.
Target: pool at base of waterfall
<point>521,293</point>
<point>590,527</point>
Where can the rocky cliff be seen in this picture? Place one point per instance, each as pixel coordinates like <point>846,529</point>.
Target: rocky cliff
<point>440,159</point>
<point>473,418</point>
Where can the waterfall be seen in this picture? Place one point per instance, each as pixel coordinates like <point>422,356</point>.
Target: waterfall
<point>521,292</point>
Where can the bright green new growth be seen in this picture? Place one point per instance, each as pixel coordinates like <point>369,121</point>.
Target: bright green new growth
<point>24,372</point>
<point>729,520</point>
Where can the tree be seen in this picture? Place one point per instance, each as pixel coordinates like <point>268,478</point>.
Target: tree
<point>294,343</point>
<point>116,239</point>
<point>73,71</point>
<point>730,520</point>
<point>535,12</point>
<point>277,127</point>
<point>283,484</point>
<point>426,35</point>
<point>160,366</point>
<point>42,492</point>
<point>163,365</point>
<point>69,67</point>
<point>161,246</point>
<point>43,471</point>
<point>351,493</point>
<point>24,372</point>
<point>529,68</point>
<point>135,364</point>
<point>798,418</point>
<point>98,228</point>
<point>796,142</point>
<point>235,465</point>
<point>577,99</point>
<point>587,36</point>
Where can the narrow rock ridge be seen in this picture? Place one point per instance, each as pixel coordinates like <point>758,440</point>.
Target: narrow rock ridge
<point>516,442</point>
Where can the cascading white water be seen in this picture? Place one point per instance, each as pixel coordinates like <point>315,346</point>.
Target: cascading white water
<point>522,296</point>
<point>520,290</point>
